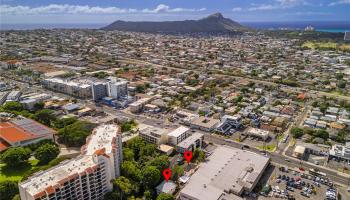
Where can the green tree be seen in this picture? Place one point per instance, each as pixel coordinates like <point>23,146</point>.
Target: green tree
<point>124,185</point>
<point>161,162</point>
<point>148,150</point>
<point>198,155</point>
<point>13,106</point>
<point>39,105</point>
<point>147,195</point>
<point>151,176</point>
<point>63,122</point>
<point>297,132</point>
<point>8,189</point>
<point>111,195</point>
<point>128,154</point>
<point>16,197</point>
<point>46,153</point>
<point>322,134</point>
<point>15,156</point>
<point>177,172</point>
<point>130,170</point>
<point>45,116</point>
<point>341,84</point>
<point>136,145</point>
<point>341,136</point>
<point>140,88</point>
<point>75,134</point>
<point>165,196</point>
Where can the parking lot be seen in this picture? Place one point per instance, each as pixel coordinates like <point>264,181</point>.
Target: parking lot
<point>289,184</point>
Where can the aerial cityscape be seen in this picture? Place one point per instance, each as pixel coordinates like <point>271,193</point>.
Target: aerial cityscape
<point>174,100</point>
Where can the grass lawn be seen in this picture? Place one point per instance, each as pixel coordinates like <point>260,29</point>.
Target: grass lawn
<point>16,174</point>
<point>270,148</point>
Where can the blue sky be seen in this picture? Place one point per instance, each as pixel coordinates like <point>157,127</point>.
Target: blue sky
<point>106,11</point>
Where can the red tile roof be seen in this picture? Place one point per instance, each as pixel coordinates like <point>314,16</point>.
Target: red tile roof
<point>12,133</point>
<point>3,145</point>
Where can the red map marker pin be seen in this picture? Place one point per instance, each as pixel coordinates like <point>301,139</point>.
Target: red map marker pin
<point>188,156</point>
<point>167,174</point>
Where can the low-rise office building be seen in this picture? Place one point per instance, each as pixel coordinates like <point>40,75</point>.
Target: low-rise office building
<point>3,97</point>
<point>154,135</point>
<point>255,132</point>
<point>138,105</point>
<point>88,176</point>
<point>14,96</point>
<point>341,152</point>
<point>204,123</point>
<point>191,143</point>
<point>216,179</point>
<point>178,135</point>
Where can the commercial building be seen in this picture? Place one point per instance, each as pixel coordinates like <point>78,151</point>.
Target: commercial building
<point>191,143</point>
<point>154,135</point>
<point>347,36</point>
<point>178,135</point>
<point>117,88</point>
<point>138,105</point>
<point>21,132</point>
<point>99,90</point>
<point>3,97</point>
<point>204,123</point>
<point>87,177</point>
<point>226,175</point>
<point>29,101</point>
<point>77,88</point>
<point>341,152</point>
<point>255,132</point>
<point>14,96</point>
<point>228,122</point>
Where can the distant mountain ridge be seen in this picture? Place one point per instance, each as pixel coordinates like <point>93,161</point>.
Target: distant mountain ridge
<point>213,23</point>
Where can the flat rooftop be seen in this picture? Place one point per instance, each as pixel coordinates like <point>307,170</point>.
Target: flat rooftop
<point>190,140</point>
<point>153,131</point>
<point>178,131</point>
<point>58,174</point>
<point>228,172</point>
<point>205,122</point>
<point>101,137</point>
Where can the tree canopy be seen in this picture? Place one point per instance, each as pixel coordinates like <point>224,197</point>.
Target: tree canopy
<point>75,134</point>
<point>8,189</point>
<point>15,156</point>
<point>47,152</point>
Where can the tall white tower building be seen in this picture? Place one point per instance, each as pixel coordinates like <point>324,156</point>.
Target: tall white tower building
<point>87,177</point>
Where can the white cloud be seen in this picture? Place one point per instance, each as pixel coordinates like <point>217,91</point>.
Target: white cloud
<point>85,9</point>
<point>310,13</point>
<point>339,2</point>
<point>162,8</point>
<point>279,4</point>
<point>237,9</point>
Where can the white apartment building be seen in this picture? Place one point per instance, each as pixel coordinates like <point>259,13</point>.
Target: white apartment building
<point>77,88</point>
<point>117,89</point>
<point>178,135</point>
<point>87,177</point>
<point>154,135</point>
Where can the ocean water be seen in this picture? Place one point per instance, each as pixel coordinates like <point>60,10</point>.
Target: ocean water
<point>331,26</point>
<point>334,26</point>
